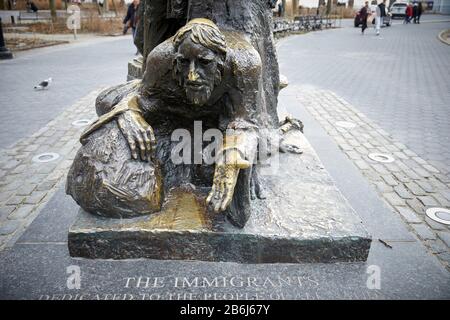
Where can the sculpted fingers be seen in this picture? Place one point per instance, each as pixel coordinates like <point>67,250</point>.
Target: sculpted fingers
<point>141,144</point>
<point>151,136</point>
<point>132,145</point>
<point>228,196</point>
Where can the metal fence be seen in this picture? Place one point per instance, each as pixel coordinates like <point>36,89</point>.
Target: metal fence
<point>304,23</point>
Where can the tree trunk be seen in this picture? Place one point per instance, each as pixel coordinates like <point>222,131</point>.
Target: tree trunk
<point>52,9</point>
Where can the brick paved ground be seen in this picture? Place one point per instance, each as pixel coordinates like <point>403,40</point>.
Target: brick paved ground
<point>76,69</point>
<point>396,88</point>
<point>400,80</point>
<point>26,186</point>
<point>409,185</point>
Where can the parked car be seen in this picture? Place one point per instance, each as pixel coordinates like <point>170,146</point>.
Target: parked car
<point>398,9</point>
<point>373,10</point>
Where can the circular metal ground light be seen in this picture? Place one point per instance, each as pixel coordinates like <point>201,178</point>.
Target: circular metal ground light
<point>346,124</point>
<point>81,123</point>
<point>381,157</point>
<point>45,157</point>
<point>440,215</point>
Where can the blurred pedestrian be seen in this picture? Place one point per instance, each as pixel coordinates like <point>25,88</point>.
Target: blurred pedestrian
<point>280,9</point>
<point>415,9</point>
<point>31,7</point>
<point>419,11</point>
<point>364,14</point>
<point>382,7</point>
<point>380,13</point>
<point>408,13</point>
<point>131,19</point>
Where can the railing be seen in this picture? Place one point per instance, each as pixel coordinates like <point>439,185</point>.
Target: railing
<point>304,23</point>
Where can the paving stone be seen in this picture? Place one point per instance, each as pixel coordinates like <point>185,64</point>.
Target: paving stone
<point>445,256</point>
<point>353,155</point>
<point>436,246</point>
<point>425,186</point>
<point>15,200</point>
<point>444,236</point>
<point>422,172</point>
<point>35,197</point>
<point>389,180</point>
<point>10,165</point>
<point>424,231</point>
<point>409,215</point>
<point>412,175</point>
<point>22,212</point>
<point>430,168</point>
<point>5,211</point>
<point>45,186</point>
<point>409,153</point>
<point>403,192</point>
<point>401,177</point>
<point>428,201</point>
<point>372,176</point>
<point>380,169</point>
<point>392,167</point>
<point>442,177</point>
<point>419,160</point>
<point>437,185</point>
<point>25,190</point>
<point>346,147</point>
<point>441,200</point>
<point>394,199</point>
<point>9,227</point>
<point>400,155</point>
<point>416,205</point>
<point>361,164</point>
<point>383,187</point>
<point>435,225</point>
<point>5,195</point>
<point>415,189</point>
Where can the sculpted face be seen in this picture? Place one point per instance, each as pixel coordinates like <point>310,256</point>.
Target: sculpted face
<point>197,70</point>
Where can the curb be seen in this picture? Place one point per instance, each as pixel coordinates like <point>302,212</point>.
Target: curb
<point>442,38</point>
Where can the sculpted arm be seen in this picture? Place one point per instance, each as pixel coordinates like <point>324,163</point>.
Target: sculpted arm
<point>241,139</point>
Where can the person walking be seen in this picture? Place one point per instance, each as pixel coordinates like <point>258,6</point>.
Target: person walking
<point>379,16</point>
<point>382,7</point>
<point>415,9</point>
<point>131,19</point>
<point>419,11</point>
<point>280,9</point>
<point>408,13</point>
<point>364,14</point>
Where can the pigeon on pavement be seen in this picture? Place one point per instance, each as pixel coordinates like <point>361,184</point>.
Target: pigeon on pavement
<point>44,84</point>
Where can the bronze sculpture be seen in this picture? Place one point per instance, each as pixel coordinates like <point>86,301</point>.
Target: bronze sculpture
<point>201,74</point>
<point>182,153</point>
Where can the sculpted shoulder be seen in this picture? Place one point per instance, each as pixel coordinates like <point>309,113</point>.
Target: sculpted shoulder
<point>159,63</point>
<point>244,58</point>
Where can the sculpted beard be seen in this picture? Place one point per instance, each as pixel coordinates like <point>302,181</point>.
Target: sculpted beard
<point>199,95</point>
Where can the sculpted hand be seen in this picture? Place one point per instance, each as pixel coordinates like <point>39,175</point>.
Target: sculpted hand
<point>138,133</point>
<point>225,178</point>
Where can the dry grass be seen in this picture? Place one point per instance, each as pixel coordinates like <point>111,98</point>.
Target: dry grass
<point>92,24</point>
<point>20,44</point>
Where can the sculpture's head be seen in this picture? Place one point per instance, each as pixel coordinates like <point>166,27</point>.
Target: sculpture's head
<point>200,57</point>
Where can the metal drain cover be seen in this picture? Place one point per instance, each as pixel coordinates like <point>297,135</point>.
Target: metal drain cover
<point>81,123</point>
<point>381,157</point>
<point>440,215</point>
<point>45,157</point>
<point>346,124</point>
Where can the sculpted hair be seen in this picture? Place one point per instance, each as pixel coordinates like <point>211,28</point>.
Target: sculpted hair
<point>204,32</point>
